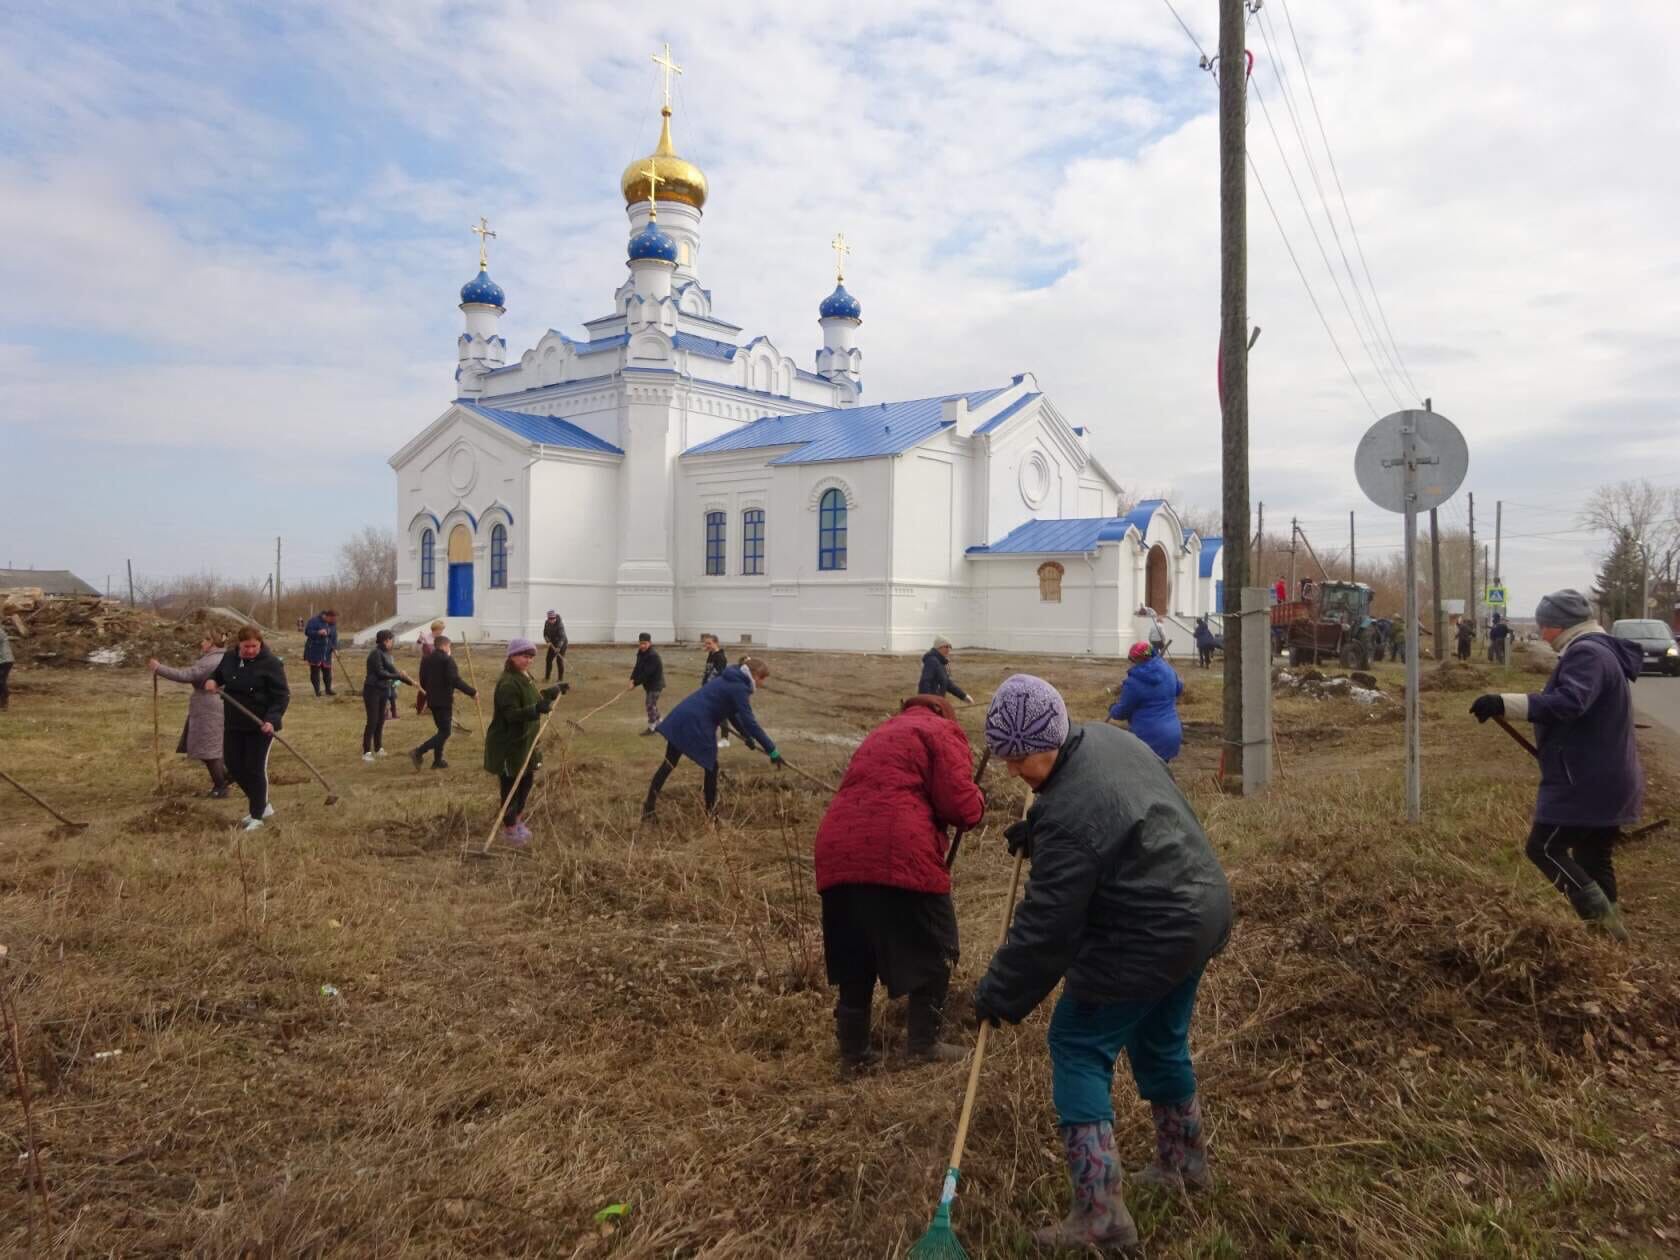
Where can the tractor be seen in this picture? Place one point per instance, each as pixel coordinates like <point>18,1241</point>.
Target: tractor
<point>1335,623</point>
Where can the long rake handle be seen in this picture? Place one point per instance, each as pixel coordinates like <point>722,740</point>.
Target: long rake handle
<point>472,674</point>
<point>1517,735</point>
<point>824,784</point>
<point>956,840</point>
<point>157,740</point>
<point>61,818</point>
<point>580,721</point>
<point>980,1041</point>
<point>348,680</point>
<point>332,794</point>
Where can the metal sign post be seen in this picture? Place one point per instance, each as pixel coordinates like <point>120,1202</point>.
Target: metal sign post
<point>1409,462</point>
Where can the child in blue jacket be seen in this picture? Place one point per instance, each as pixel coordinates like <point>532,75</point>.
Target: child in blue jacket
<point>1148,702</point>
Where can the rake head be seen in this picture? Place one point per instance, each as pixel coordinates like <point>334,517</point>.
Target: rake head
<point>940,1240</point>
<point>333,799</point>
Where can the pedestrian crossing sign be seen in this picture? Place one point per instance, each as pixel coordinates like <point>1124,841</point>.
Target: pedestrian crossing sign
<point>1496,596</point>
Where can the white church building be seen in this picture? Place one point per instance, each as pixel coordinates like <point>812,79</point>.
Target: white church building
<point>661,473</point>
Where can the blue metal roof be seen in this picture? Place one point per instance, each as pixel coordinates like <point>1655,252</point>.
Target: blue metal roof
<point>995,421</point>
<point>596,347</point>
<point>547,430</point>
<point>484,291</point>
<point>840,305</point>
<point>844,432</point>
<point>1139,515</point>
<point>710,347</point>
<point>1210,549</point>
<point>1071,536</point>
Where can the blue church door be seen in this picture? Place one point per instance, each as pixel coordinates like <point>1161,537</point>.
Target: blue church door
<point>460,572</point>
<point>1219,596</point>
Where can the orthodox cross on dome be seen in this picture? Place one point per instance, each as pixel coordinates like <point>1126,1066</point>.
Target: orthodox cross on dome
<point>668,67</point>
<point>653,179</point>
<point>481,229</point>
<point>841,249</point>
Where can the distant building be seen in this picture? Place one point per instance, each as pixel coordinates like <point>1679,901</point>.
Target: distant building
<point>51,581</point>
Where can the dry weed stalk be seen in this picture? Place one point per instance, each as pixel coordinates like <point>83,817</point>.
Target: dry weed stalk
<point>38,1179</point>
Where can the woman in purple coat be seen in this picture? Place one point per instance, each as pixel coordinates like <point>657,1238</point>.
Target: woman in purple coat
<point>201,737</point>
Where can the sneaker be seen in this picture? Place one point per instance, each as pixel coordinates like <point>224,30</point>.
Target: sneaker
<point>723,743</point>
<point>651,731</point>
<point>367,756</point>
<point>440,764</point>
<point>253,824</point>
<point>523,830</point>
<point>417,757</point>
<point>510,835</point>
<point>378,752</point>
<point>217,794</point>
<point>268,810</point>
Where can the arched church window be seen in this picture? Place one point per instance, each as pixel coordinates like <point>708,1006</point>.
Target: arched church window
<point>831,530</point>
<point>498,556</point>
<point>1050,582</point>
<point>685,255</point>
<point>752,542</point>
<point>716,532</point>
<point>428,560</point>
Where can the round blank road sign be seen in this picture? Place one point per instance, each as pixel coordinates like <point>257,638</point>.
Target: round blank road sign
<point>1443,460</point>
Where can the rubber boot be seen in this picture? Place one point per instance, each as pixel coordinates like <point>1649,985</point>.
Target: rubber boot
<point>1097,1217</point>
<point>1599,912</point>
<point>851,1031</point>
<point>923,1018</point>
<point>1180,1150</point>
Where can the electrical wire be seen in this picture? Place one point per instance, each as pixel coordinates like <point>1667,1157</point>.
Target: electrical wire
<point>1192,35</point>
<point>1359,248</point>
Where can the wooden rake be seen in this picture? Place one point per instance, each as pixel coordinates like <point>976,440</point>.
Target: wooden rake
<point>332,795</point>
<point>79,826</point>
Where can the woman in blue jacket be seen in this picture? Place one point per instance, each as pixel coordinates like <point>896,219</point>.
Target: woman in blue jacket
<point>1148,702</point>
<point>690,729</point>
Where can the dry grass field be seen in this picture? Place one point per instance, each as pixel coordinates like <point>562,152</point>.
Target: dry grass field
<point>338,1037</point>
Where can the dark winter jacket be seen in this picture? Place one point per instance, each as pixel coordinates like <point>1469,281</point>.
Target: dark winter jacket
<point>259,684</point>
<point>693,725</point>
<point>554,634</point>
<point>382,672</point>
<point>716,663</point>
<point>1465,634</point>
<point>1125,897</point>
<point>1583,725</point>
<point>910,779</point>
<point>514,727</point>
<point>936,678</point>
<point>320,641</point>
<point>1149,704</point>
<point>1502,630</point>
<point>1205,637</point>
<point>441,677</point>
<point>649,671</point>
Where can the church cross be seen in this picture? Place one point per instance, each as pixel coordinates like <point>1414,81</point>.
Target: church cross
<point>652,176</point>
<point>668,68</point>
<point>481,229</point>
<point>841,249</point>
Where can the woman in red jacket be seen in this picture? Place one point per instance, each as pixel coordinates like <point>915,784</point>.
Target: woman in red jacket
<point>880,867</point>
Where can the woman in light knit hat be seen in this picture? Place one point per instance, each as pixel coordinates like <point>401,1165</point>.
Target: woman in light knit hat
<point>1126,903</point>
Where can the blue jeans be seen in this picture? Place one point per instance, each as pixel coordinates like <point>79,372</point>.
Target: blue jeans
<point>1086,1038</point>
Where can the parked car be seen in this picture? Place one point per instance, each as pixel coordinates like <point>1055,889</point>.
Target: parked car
<point>1655,639</point>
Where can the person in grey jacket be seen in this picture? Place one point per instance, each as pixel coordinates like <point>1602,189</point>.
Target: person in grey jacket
<point>1126,903</point>
<point>5,669</point>
<point>201,737</point>
<point>379,683</point>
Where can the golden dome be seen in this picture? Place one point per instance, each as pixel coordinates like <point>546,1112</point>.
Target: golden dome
<point>679,179</point>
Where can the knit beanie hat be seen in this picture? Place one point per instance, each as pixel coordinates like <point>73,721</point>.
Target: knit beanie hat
<point>1563,609</point>
<point>1026,716</point>
<point>521,647</point>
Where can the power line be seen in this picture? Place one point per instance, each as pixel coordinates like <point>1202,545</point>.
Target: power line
<point>1322,252</point>
<point>1189,32</point>
<point>1359,248</point>
<point>1311,296</point>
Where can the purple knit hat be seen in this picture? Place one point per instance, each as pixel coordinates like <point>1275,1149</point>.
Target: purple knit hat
<point>1027,715</point>
<point>521,647</point>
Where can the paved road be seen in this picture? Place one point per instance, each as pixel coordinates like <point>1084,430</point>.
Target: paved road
<point>1658,699</point>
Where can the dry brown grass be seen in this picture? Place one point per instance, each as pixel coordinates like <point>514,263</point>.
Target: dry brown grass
<point>1409,1049</point>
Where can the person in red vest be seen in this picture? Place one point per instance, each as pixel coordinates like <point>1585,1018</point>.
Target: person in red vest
<point>880,869</point>
<point>1280,592</point>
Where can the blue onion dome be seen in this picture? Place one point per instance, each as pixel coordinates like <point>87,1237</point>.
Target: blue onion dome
<point>650,242</point>
<point>483,290</point>
<point>840,305</point>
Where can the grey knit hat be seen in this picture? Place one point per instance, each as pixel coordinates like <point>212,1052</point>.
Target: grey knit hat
<point>1562,609</point>
<point>940,641</point>
<point>1027,715</point>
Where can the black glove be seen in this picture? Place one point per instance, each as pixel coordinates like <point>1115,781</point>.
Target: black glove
<point>984,1014</point>
<point>552,693</point>
<point>1488,706</point>
<point>544,705</point>
<point>565,688</point>
<point>1018,836</point>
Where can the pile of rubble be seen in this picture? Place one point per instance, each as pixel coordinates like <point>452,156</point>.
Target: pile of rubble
<point>62,631</point>
<point>1358,686</point>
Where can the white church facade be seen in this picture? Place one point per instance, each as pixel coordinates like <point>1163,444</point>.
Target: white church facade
<point>662,474</point>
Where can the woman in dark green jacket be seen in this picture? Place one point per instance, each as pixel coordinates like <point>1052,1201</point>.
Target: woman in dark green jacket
<point>513,730</point>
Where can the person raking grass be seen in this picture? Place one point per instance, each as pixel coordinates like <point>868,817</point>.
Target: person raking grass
<point>255,678</point>
<point>648,673</point>
<point>880,871</point>
<point>554,635</point>
<point>1591,782</point>
<point>1125,902</point>
<point>440,678</point>
<point>378,684</point>
<point>691,729</point>
<point>936,677</point>
<point>519,710</point>
<point>201,736</point>
<point>1148,701</point>
<point>320,642</point>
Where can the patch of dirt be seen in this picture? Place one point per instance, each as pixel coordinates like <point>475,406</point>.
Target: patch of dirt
<point>175,815</point>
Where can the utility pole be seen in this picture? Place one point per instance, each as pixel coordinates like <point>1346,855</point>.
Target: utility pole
<point>1498,530</point>
<point>1435,573</point>
<point>1233,349</point>
<point>1353,569</point>
<point>131,584</point>
<point>1260,538</point>
<point>1294,532</point>
<point>1470,604</point>
<point>276,622</point>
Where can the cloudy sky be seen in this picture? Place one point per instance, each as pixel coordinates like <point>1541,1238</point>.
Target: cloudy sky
<point>236,236</point>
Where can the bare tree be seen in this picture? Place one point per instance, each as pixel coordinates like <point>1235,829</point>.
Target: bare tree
<point>1644,513</point>
<point>368,562</point>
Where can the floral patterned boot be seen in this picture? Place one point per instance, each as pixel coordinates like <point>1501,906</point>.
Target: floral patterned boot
<point>1180,1150</point>
<point>1098,1217</point>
